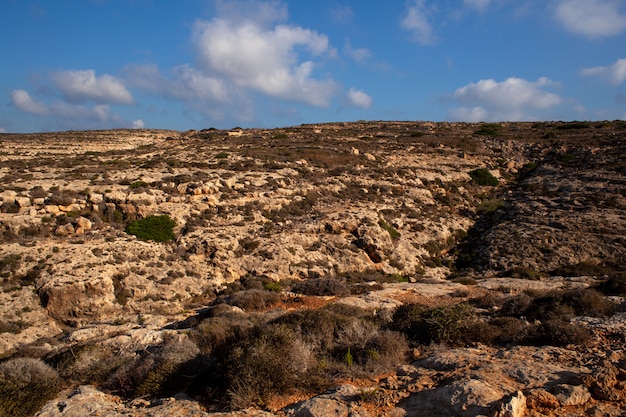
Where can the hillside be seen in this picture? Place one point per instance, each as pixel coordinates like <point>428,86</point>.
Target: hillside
<point>478,268</point>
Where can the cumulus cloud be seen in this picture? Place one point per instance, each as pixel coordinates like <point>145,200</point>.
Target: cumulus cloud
<point>615,73</point>
<point>591,18</point>
<point>3,130</point>
<point>513,99</point>
<point>416,22</point>
<point>138,124</point>
<point>22,100</point>
<point>264,59</point>
<point>480,5</point>
<point>358,98</point>
<point>80,86</point>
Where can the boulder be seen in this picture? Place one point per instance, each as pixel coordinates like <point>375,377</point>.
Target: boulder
<point>84,223</point>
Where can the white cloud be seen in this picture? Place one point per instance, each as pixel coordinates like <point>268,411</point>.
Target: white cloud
<point>359,55</point>
<point>341,14</point>
<point>469,114</point>
<point>22,100</point>
<point>513,99</point>
<point>3,130</point>
<point>185,83</point>
<point>82,85</point>
<point>592,18</point>
<point>358,98</point>
<point>138,124</point>
<point>480,5</point>
<point>416,22</point>
<point>264,59</point>
<point>615,73</point>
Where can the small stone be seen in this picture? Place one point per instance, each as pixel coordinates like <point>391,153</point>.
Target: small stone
<point>65,230</point>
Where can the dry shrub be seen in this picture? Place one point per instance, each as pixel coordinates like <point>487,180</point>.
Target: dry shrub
<point>88,364</point>
<point>159,371</point>
<point>26,384</point>
<point>557,333</point>
<point>559,305</point>
<point>270,362</point>
<point>253,299</point>
<point>322,287</point>
<point>214,335</point>
<point>433,325</point>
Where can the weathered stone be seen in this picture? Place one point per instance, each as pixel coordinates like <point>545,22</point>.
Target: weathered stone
<point>540,398</point>
<point>23,201</point>
<point>64,230</point>
<point>571,395</point>
<point>84,223</point>
<point>513,407</point>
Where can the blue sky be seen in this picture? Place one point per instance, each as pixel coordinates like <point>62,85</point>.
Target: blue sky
<point>194,64</point>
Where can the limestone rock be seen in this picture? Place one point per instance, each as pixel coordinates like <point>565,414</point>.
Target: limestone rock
<point>320,407</point>
<point>571,395</point>
<point>513,407</point>
<point>64,230</point>
<point>540,398</point>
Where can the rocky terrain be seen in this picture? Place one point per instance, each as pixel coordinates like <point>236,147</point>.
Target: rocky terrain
<point>362,269</point>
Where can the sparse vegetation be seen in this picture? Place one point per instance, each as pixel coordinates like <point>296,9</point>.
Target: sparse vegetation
<point>243,307</point>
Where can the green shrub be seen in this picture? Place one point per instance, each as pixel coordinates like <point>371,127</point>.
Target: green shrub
<point>154,228</point>
<point>488,129</point>
<point>489,205</point>
<point>26,384</point>
<point>222,155</point>
<point>482,176</point>
<point>138,184</point>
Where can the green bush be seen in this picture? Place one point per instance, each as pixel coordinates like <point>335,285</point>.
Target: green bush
<point>26,384</point>
<point>155,228</point>
<point>488,129</point>
<point>138,184</point>
<point>482,176</point>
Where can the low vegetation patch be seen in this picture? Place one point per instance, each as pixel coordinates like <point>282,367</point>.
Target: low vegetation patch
<point>482,176</point>
<point>154,228</point>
